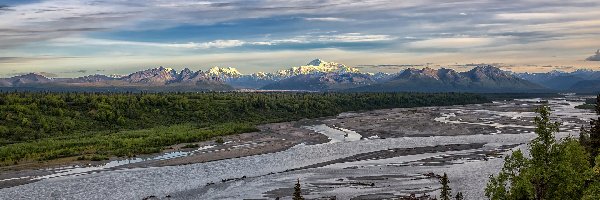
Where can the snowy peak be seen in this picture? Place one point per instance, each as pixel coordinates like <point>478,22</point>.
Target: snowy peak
<point>318,66</point>
<point>488,72</point>
<point>412,73</point>
<point>316,62</point>
<point>156,76</point>
<point>223,72</point>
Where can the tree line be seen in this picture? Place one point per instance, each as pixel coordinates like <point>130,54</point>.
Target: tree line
<point>49,125</point>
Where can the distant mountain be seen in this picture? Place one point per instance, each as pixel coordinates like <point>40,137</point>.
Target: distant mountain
<point>479,79</point>
<point>586,86</point>
<point>320,81</point>
<point>160,79</point>
<point>319,75</point>
<point>316,75</point>
<point>151,77</point>
<point>317,66</point>
<point>224,73</point>
<point>233,77</point>
<point>576,81</point>
<point>27,79</point>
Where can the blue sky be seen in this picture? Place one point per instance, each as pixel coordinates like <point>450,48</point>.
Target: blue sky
<point>72,38</point>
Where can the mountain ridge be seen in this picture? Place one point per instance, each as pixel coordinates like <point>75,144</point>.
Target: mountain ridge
<point>479,79</point>
<point>316,75</point>
<point>581,80</point>
<point>150,79</point>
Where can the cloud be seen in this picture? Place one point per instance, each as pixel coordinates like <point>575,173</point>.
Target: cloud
<point>594,57</point>
<point>327,19</point>
<point>468,31</point>
<point>208,45</point>
<point>354,37</point>
<point>5,8</point>
<point>223,44</point>
<point>16,60</point>
<point>333,37</point>
<point>393,66</point>
<point>528,16</point>
<point>46,74</point>
<point>77,41</point>
<point>459,42</point>
<point>583,14</point>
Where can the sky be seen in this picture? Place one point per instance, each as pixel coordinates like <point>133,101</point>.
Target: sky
<point>71,38</point>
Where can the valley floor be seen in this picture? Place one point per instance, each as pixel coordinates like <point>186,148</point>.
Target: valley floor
<point>377,154</point>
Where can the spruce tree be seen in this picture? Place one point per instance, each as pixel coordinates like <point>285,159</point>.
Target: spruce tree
<point>554,169</point>
<point>445,193</point>
<point>594,133</point>
<point>298,191</point>
<point>459,196</point>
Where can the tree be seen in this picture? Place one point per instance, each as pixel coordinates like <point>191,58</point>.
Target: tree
<point>593,140</point>
<point>555,170</point>
<point>298,191</point>
<point>592,192</point>
<point>459,196</point>
<point>445,193</point>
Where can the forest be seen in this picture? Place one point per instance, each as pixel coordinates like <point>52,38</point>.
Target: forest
<point>551,168</point>
<point>39,126</point>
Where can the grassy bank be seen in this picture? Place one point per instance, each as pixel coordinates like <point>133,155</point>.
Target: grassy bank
<point>102,144</point>
<point>46,126</point>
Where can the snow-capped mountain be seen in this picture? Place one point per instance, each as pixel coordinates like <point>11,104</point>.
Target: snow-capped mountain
<point>478,79</point>
<point>319,75</point>
<point>317,66</point>
<point>154,78</point>
<point>316,70</point>
<point>223,72</point>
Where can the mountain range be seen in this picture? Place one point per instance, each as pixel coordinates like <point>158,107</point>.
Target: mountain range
<point>156,79</point>
<point>479,79</point>
<point>582,81</point>
<point>319,75</point>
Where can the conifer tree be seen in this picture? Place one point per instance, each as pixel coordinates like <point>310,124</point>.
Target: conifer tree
<point>594,134</point>
<point>445,193</point>
<point>298,191</point>
<point>554,169</point>
<point>459,196</point>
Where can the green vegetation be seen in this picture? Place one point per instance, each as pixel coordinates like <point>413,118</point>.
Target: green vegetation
<point>590,139</point>
<point>445,194</point>
<point>589,104</point>
<point>554,169</point>
<point>44,126</point>
<point>591,101</point>
<point>297,191</point>
<point>459,196</point>
<point>586,106</point>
